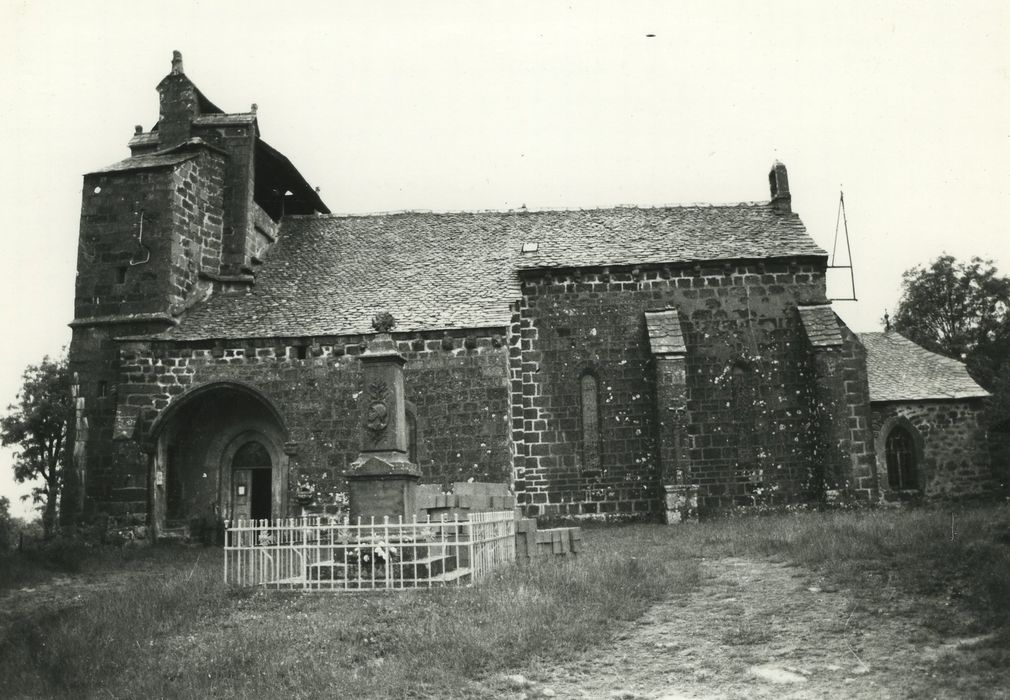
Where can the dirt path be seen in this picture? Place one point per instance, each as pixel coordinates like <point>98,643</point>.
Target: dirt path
<point>755,629</point>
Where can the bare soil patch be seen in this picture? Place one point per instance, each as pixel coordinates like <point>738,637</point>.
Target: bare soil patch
<point>760,629</point>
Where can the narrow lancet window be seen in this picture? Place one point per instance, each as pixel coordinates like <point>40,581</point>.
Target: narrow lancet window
<point>590,392</point>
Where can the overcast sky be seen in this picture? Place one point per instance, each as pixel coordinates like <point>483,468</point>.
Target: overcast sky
<point>449,106</point>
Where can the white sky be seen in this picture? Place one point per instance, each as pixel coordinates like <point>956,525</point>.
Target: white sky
<point>470,105</point>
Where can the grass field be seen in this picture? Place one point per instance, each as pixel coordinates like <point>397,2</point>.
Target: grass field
<point>171,629</point>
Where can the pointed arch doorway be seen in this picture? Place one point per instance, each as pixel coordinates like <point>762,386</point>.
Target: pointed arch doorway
<point>219,455</point>
<point>251,494</point>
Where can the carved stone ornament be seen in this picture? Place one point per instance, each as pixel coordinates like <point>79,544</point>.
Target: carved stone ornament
<point>377,417</point>
<point>383,322</point>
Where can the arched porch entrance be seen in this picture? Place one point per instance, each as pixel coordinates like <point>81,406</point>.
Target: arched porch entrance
<point>218,455</point>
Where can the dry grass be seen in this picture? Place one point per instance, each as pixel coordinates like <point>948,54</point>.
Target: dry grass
<point>179,632</point>
<point>183,634</point>
<point>960,555</point>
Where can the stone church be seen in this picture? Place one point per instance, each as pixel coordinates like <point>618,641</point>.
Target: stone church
<point>623,362</point>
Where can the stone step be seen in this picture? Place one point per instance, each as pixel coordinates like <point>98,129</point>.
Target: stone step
<point>450,576</point>
<point>174,535</point>
<point>428,567</point>
<point>288,581</point>
<point>421,570</point>
<point>327,563</point>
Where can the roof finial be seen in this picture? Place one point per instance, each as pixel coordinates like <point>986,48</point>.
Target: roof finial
<point>887,320</point>
<point>177,63</point>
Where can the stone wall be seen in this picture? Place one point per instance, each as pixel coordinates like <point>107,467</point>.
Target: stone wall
<point>94,358</point>
<point>240,212</point>
<point>751,392</point>
<point>844,451</point>
<point>457,392</point>
<point>262,234</point>
<point>196,226</point>
<point>146,235</point>
<point>952,456</point>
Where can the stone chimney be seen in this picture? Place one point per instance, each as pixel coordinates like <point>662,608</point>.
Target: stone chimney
<point>177,63</point>
<point>179,104</point>
<point>778,181</point>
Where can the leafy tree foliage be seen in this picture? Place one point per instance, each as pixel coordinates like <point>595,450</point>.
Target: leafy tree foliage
<point>955,308</point>
<point>962,310</point>
<point>37,427</point>
<point>6,524</point>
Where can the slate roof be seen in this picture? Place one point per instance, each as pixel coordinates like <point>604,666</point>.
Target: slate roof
<point>329,275</point>
<point>165,157</point>
<point>147,162</point>
<point>225,119</point>
<point>665,334</point>
<point>630,235</point>
<point>821,325</point>
<point>900,370</point>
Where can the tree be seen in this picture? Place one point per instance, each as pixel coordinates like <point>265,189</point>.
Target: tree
<point>962,310</point>
<point>6,525</point>
<point>37,427</point>
<point>957,309</point>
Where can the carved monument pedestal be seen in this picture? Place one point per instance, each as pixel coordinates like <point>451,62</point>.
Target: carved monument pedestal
<point>382,480</point>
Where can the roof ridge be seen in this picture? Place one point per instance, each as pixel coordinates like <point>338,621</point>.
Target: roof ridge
<point>530,210</point>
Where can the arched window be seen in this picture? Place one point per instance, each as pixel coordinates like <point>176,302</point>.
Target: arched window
<point>743,399</point>
<point>590,392</point>
<point>900,452</point>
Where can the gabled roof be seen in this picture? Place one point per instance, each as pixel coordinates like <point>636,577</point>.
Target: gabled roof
<point>821,325</point>
<point>633,235</point>
<point>900,370</point>
<point>166,157</point>
<point>329,275</point>
<point>221,119</point>
<point>148,161</point>
<point>274,172</point>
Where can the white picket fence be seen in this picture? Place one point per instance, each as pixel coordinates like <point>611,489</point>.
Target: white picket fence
<point>321,554</point>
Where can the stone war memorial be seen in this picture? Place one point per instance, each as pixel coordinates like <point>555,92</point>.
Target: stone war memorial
<point>240,353</point>
<point>382,544</point>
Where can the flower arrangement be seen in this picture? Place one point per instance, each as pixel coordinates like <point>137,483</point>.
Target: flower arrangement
<point>305,493</point>
<point>372,560</point>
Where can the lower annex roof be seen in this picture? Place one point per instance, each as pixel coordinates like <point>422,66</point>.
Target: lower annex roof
<point>900,370</point>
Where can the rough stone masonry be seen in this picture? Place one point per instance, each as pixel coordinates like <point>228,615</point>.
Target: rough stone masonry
<point>595,361</point>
